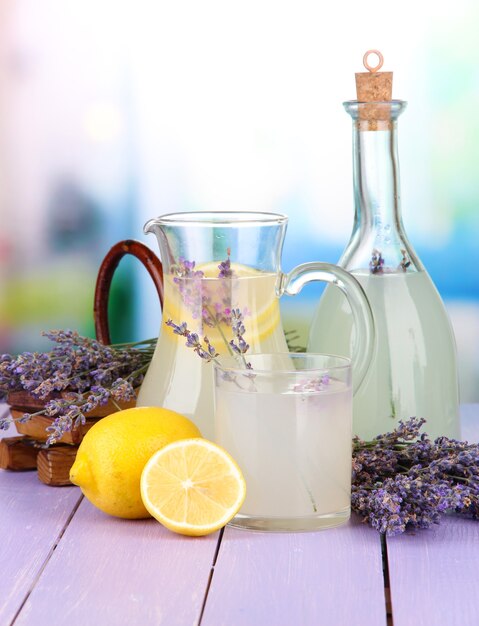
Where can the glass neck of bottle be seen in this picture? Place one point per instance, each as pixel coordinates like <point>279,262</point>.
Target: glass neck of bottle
<point>376,177</point>
<point>379,241</point>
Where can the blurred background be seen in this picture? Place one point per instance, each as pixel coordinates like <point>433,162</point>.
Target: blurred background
<point>115,112</point>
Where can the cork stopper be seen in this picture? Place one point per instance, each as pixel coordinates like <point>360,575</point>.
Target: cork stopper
<point>374,86</point>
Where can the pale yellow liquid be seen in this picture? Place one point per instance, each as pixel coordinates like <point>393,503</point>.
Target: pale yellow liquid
<point>178,378</point>
<point>413,371</point>
<point>294,449</point>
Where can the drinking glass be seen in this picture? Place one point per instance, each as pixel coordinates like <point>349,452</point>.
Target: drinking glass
<point>287,422</point>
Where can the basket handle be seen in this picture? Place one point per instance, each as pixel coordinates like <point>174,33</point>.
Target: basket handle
<point>105,275</point>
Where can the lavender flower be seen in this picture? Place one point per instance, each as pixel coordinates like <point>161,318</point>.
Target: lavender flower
<point>238,344</point>
<point>312,384</point>
<point>211,350</point>
<point>225,266</point>
<point>180,329</point>
<point>376,263</point>
<point>402,480</point>
<point>185,269</point>
<point>405,261</point>
<point>206,351</point>
<point>122,390</point>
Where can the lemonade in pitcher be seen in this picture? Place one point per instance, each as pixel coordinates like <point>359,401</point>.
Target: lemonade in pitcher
<point>203,296</point>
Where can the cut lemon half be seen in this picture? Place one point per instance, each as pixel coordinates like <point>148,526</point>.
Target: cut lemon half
<point>192,487</point>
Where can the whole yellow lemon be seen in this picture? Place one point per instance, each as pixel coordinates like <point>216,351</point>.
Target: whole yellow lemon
<point>114,451</point>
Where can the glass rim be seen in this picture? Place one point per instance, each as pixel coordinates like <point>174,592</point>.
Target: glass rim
<point>345,363</point>
<point>221,218</point>
<point>383,110</point>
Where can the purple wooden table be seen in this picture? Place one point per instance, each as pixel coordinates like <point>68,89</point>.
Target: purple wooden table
<point>64,562</point>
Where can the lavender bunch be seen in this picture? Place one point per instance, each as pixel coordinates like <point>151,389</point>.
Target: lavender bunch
<point>75,377</point>
<point>189,285</point>
<point>204,349</point>
<point>402,480</point>
<point>212,303</point>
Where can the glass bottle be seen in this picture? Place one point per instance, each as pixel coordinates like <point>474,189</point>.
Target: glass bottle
<point>413,371</point>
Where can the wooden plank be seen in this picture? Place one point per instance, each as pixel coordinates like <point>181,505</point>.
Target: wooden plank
<point>110,571</point>
<point>36,428</point>
<point>55,463</point>
<point>433,574</point>
<point>32,517</point>
<point>17,453</point>
<point>332,577</point>
<point>24,402</point>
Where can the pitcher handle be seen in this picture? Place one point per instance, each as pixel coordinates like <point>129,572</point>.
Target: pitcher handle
<point>292,284</point>
<point>105,275</point>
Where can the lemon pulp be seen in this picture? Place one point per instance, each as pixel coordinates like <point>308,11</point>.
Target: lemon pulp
<point>192,487</point>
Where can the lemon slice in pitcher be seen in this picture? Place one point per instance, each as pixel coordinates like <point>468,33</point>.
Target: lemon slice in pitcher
<point>192,486</point>
<point>251,290</point>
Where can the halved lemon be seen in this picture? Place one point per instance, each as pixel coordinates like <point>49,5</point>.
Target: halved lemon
<point>192,487</point>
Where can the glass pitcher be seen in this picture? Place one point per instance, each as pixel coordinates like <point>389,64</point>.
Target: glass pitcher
<point>222,281</point>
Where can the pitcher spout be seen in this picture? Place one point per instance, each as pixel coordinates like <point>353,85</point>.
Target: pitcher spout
<point>152,226</point>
